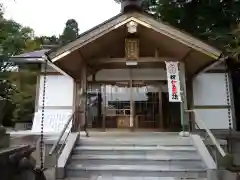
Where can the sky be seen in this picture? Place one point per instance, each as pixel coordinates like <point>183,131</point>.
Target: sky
<point>48,17</point>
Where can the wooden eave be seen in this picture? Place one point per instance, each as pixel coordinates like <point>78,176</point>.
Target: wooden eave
<point>197,54</point>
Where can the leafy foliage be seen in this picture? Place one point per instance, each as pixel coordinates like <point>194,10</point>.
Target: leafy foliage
<point>24,95</point>
<point>46,40</point>
<point>70,32</point>
<point>18,81</point>
<point>235,45</point>
<point>214,21</point>
<point>15,39</point>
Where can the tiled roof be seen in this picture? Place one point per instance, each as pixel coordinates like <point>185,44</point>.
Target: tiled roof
<point>33,54</point>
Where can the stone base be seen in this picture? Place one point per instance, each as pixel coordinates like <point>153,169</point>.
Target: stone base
<point>2,130</point>
<point>184,134</point>
<point>4,138</point>
<point>4,141</point>
<point>8,169</point>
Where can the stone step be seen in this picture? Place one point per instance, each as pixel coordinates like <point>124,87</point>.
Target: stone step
<point>136,159</point>
<point>107,177</point>
<point>143,156</point>
<point>80,170</point>
<point>136,150</point>
<point>134,141</point>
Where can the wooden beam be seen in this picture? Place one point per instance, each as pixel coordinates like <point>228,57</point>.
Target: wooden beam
<point>117,82</point>
<point>51,73</point>
<point>123,60</point>
<point>156,53</point>
<point>185,56</point>
<point>90,69</point>
<point>124,66</point>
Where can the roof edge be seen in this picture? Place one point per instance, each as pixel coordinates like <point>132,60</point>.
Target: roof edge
<point>139,17</point>
<point>220,59</point>
<point>85,32</point>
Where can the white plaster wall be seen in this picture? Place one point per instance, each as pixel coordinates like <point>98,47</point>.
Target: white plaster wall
<point>58,103</point>
<point>209,89</point>
<point>59,91</point>
<point>54,120</point>
<point>214,118</point>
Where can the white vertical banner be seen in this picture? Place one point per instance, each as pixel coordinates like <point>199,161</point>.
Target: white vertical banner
<point>173,81</point>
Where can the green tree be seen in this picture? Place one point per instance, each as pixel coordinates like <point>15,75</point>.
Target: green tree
<point>16,39</point>
<point>47,40</point>
<point>235,45</point>
<point>70,32</point>
<point>24,93</point>
<point>1,11</point>
<point>5,84</point>
<point>209,20</point>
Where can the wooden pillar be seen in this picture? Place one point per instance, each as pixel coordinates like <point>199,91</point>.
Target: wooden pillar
<point>83,96</point>
<point>75,126</point>
<point>161,124</point>
<point>191,116</point>
<point>182,77</point>
<point>104,96</point>
<point>131,102</point>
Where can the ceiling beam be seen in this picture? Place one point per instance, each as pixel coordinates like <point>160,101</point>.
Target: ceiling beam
<point>123,60</point>
<point>124,66</point>
<point>185,56</point>
<point>90,69</point>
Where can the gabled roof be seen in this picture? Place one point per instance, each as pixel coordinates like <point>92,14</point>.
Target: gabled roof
<point>142,19</point>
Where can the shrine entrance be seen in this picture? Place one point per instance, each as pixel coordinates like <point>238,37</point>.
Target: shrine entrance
<point>140,105</point>
<point>154,98</point>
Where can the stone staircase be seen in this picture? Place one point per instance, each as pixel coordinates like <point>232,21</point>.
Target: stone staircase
<point>154,156</point>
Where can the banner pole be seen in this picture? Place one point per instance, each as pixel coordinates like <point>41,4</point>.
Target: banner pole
<point>182,113</point>
<point>183,133</point>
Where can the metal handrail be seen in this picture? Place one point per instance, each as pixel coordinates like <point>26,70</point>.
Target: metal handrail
<point>56,144</point>
<point>200,123</point>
